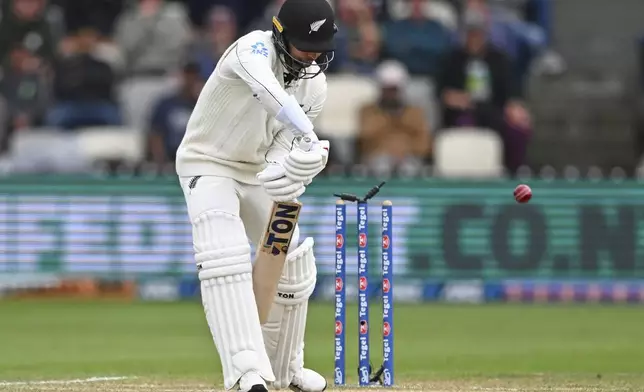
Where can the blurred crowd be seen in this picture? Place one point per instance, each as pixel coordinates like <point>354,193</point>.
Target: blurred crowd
<point>69,65</point>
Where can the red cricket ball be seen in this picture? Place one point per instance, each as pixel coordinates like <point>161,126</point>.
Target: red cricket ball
<point>522,193</point>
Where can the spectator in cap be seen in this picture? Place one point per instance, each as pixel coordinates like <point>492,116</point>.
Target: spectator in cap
<point>393,134</point>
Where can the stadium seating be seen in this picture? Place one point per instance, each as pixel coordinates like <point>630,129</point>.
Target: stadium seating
<point>122,144</point>
<point>137,97</point>
<point>348,93</point>
<point>339,119</point>
<point>422,92</point>
<point>468,152</point>
<point>45,150</point>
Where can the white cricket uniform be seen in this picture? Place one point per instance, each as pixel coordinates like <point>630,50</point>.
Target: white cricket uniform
<point>233,124</point>
<point>231,135</point>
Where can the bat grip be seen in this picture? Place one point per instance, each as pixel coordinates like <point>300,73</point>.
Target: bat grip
<point>306,143</point>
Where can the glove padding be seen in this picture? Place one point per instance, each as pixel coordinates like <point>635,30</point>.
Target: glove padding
<point>278,186</point>
<point>302,166</point>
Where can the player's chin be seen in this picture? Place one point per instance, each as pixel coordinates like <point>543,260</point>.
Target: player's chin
<point>303,63</point>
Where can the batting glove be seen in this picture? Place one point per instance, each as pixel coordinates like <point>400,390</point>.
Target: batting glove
<point>278,186</point>
<point>302,166</point>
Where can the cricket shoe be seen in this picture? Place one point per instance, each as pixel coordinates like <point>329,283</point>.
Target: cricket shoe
<point>252,382</point>
<point>308,381</point>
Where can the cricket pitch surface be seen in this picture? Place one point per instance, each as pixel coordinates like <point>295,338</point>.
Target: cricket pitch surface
<point>121,346</point>
<point>514,384</point>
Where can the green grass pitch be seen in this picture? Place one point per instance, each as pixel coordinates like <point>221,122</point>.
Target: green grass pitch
<point>167,347</point>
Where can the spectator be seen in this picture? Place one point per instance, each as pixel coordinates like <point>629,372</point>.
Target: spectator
<point>476,88</point>
<point>100,15</point>
<point>23,22</point>
<point>103,49</point>
<point>154,36</point>
<point>417,41</point>
<point>83,86</point>
<point>442,11</point>
<point>445,13</point>
<point>221,32</point>
<point>520,40</point>
<point>265,22</point>
<point>358,38</point>
<point>25,90</point>
<point>246,11</point>
<point>393,133</point>
<point>170,116</point>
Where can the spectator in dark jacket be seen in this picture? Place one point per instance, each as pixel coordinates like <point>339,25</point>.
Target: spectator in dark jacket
<point>477,88</point>
<point>83,87</point>
<point>101,15</point>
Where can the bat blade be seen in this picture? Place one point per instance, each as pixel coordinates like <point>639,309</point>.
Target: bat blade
<point>271,254</point>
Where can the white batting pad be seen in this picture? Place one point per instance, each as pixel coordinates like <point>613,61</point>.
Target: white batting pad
<point>223,260</point>
<point>284,330</point>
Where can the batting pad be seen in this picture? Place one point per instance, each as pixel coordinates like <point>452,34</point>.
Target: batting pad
<point>225,272</point>
<point>284,330</point>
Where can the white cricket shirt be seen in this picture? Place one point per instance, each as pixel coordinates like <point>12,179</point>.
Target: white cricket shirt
<point>233,124</point>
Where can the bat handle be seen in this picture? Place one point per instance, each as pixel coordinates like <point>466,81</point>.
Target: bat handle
<point>306,143</point>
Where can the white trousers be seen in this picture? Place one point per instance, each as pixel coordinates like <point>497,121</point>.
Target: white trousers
<point>225,214</point>
<point>248,202</point>
<point>218,209</point>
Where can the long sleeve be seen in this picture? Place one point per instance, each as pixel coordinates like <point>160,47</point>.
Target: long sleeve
<point>234,122</point>
<point>252,60</point>
<point>312,104</point>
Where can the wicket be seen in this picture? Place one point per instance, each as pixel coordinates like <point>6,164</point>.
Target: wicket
<point>385,375</point>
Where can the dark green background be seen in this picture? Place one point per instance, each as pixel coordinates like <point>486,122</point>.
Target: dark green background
<point>442,228</point>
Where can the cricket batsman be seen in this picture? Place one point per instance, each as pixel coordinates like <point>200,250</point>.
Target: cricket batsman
<point>240,154</point>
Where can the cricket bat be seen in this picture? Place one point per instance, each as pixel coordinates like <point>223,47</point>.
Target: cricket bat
<point>270,255</point>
